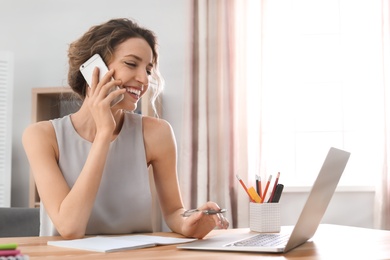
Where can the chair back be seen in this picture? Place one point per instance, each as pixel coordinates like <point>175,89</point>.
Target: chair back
<point>19,222</point>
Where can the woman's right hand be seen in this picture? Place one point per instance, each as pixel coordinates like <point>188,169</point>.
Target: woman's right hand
<point>99,100</point>
<point>198,225</point>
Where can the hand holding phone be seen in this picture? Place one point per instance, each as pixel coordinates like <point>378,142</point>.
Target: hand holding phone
<point>87,70</point>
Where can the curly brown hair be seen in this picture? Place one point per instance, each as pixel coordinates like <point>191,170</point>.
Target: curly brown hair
<point>103,39</point>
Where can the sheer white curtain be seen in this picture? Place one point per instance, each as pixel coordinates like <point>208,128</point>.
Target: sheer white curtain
<point>264,101</point>
<point>214,147</point>
<point>382,198</point>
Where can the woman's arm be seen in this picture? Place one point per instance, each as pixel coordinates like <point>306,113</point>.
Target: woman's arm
<point>69,209</point>
<point>161,154</point>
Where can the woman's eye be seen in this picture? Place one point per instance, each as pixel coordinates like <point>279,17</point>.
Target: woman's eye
<point>130,64</point>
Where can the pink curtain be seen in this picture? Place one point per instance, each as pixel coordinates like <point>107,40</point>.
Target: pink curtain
<point>214,147</point>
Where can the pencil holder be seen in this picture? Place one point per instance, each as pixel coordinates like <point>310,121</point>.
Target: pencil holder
<point>264,217</point>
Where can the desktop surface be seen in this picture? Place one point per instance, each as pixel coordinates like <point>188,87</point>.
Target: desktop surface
<point>329,242</point>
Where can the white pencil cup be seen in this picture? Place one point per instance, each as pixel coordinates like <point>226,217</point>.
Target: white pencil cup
<point>264,217</point>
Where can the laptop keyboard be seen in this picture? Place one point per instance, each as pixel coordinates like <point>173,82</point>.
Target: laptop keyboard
<point>263,240</point>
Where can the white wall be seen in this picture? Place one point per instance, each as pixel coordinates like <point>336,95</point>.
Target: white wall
<point>39,31</point>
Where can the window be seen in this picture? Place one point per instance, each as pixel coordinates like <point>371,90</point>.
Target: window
<point>320,86</point>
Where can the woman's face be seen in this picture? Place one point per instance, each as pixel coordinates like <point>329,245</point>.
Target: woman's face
<point>132,63</point>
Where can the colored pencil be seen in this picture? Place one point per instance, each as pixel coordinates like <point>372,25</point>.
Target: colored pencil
<point>266,189</point>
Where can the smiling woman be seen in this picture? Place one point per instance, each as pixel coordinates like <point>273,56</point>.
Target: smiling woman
<point>86,47</point>
<point>91,167</point>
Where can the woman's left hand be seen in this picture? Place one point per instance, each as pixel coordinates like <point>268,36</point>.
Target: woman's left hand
<point>198,225</point>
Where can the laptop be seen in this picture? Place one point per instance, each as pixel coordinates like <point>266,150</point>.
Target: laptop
<point>307,224</point>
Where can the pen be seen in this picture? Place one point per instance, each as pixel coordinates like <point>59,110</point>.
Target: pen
<point>245,188</point>
<point>258,185</point>
<point>274,188</point>
<point>266,189</point>
<point>189,212</point>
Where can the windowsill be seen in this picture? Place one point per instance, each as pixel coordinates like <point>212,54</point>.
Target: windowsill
<point>298,189</point>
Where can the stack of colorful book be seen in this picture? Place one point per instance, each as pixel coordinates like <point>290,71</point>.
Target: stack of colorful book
<point>11,251</point>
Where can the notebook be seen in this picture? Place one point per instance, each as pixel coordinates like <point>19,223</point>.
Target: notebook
<point>307,224</point>
<point>108,244</point>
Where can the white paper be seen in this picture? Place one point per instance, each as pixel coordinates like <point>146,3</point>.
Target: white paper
<point>118,243</point>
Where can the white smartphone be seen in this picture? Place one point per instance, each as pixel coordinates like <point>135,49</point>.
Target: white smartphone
<point>87,70</point>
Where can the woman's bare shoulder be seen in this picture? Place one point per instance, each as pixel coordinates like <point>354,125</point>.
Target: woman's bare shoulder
<point>158,137</point>
<point>42,131</point>
<point>44,127</point>
<point>155,124</point>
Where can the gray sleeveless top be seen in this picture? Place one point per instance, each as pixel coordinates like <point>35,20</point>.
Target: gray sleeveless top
<point>123,203</point>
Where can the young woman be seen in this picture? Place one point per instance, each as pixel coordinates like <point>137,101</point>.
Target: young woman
<point>91,167</point>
